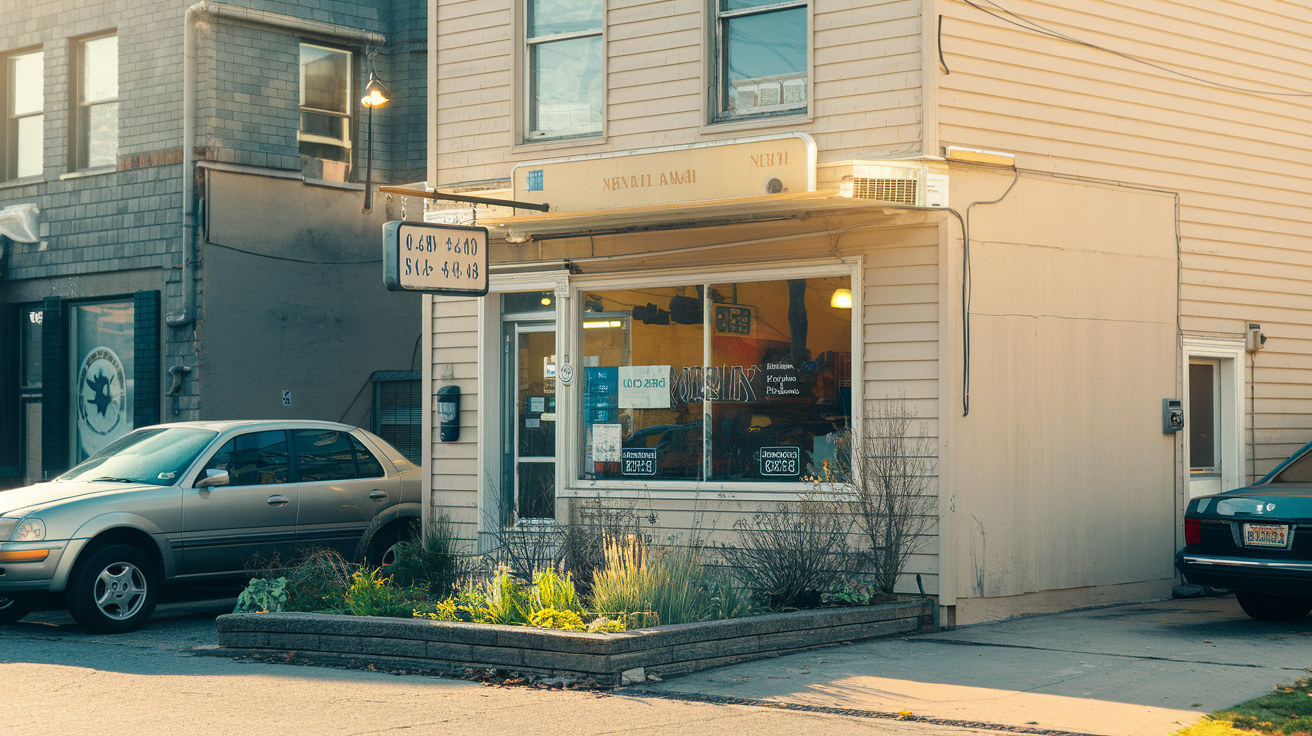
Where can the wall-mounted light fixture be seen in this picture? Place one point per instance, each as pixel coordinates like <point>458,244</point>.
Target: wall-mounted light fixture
<point>376,94</point>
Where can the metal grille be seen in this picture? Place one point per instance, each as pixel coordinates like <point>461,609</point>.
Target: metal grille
<point>901,191</point>
<point>399,416</point>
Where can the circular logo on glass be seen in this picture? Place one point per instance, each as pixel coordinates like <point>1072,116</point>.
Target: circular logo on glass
<point>102,392</point>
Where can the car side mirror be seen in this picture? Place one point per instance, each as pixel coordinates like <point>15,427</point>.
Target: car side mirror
<point>214,478</point>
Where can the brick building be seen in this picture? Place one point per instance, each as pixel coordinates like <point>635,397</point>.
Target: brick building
<point>181,225</point>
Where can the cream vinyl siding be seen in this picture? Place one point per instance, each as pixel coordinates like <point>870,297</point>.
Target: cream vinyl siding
<point>454,473</point>
<point>866,96</point>
<point>1239,160</point>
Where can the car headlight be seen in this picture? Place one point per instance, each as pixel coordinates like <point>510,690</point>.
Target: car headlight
<point>29,530</point>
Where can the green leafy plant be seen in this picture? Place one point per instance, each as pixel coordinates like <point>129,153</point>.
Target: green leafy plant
<point>503,601</point>
<point>262,595</point>
<point>728,599</point>
<point>372,594</point>
<point>552,591</point>
<point>849,593</point>
<point>550,618</point>
<point>666,583</point>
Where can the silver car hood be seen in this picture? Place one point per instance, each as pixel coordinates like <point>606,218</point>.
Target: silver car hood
<point>21,501</point>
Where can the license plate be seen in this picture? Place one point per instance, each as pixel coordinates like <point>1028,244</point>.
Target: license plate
<point>1266,535</point>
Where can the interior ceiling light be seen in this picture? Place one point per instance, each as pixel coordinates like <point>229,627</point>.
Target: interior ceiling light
<point>546,301</point>
<point>842,299</point>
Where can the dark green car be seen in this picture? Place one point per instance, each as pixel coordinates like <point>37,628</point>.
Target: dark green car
<point>1256,541</point>
<point>196,502</point>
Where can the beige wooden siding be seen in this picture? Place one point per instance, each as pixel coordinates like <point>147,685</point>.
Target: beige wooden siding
<point>1238,160</point>
<point>866,86</point>
<point>454,469</point>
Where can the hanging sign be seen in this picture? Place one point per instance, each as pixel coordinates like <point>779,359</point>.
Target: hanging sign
<point>436,259</point>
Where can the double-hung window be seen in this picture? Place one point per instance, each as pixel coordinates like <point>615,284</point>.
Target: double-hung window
<point>25,123</point>
<point>563,58</point>
<point>325,133</point>
<point>96,130</point>
<point>761,58</point>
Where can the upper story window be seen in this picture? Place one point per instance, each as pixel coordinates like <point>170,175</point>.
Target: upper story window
<point>25,115</point>
<point>325,132</point>
<point>564,78</point>
<point>761,58</point>
<point>96,129</point>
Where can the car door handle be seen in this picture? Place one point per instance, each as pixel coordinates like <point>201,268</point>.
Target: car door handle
<point>378,495</point>
<point>278,500</point>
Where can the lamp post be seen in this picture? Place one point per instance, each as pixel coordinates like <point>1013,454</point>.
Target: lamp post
<point>376,94</point>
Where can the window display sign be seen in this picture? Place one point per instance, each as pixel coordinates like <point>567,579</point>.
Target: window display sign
<point>102,374</point>
<point>435,259</point>
<point>606,439</point>
<point>639,461</point>
<point>781,460</point>
<point>644,387</point>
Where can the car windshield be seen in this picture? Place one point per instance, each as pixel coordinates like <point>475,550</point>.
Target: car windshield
<point>156,456</point>
<point>1299,471</point>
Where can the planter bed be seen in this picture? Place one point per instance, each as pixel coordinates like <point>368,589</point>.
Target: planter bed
<point>608,660</point>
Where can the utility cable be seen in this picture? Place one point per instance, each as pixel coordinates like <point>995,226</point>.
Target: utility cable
<point>292,260</point>
<point>1033,27</point>
<point>966,293</point>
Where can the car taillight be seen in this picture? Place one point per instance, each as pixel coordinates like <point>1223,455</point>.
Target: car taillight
<point>1192,532</point>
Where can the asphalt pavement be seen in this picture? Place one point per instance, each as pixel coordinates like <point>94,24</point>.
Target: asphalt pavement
<point>1139,669</point>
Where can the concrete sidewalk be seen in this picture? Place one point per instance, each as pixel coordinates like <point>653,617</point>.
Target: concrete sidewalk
<point>1146,669</point>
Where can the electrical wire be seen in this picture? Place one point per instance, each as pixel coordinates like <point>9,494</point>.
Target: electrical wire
<point>1033,27</point>
<point>292,260</point>
<point>966,286</point>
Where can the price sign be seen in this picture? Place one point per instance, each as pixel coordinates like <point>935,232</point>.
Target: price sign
<point>437,259</point>
<point>638,461</point>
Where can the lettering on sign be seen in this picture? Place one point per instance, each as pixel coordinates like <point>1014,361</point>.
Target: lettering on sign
<point>769,160</point>
<point>638,461</point>
<point>438,259</point>
<point>781,461</point>
<point>781,380</point>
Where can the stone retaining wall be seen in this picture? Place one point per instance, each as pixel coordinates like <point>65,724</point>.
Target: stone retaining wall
<point>607,659</point>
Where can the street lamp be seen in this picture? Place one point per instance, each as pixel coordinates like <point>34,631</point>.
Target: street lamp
<point>376,94</point>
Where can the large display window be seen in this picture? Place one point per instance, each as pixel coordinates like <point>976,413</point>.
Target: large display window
<point>715,381</point>
<point>101,374</point>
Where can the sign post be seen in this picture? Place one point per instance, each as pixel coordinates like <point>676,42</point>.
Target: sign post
<point>436,259</point>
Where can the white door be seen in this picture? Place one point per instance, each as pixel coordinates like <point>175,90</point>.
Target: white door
<point>1204,419</point>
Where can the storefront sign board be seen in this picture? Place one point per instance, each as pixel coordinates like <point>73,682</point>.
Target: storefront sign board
<point>450,260</point>
<point>702,172</point>
<point>644,387</point>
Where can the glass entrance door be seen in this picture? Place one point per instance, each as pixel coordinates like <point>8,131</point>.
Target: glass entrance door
<point>531,419</point>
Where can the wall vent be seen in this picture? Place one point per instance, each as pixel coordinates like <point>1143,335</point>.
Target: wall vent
<point>907,183</point>
<point>900,191</point>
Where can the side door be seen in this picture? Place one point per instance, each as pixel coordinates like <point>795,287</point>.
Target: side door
<point>225,527</point>
<point>342,487</point>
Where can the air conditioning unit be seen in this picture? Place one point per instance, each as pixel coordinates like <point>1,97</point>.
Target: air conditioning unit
<point>908,183</point>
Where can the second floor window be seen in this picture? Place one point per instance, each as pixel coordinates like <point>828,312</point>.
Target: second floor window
<point>761,58</point>
<point>26,118</point>
<point>325,133</point>
<point>564,68</point>
<point>97,104</point>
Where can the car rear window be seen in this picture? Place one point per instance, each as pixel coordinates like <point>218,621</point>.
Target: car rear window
<point>368,464</point>
<point>1299,471</point>
<point>324,455</point>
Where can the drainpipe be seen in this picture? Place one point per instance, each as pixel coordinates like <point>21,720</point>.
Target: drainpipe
<point>187,314</point>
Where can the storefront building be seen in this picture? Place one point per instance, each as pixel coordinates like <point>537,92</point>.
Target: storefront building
<point>764,221</point>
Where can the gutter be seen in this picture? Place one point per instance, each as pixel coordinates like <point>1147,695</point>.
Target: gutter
<point>187,314</point>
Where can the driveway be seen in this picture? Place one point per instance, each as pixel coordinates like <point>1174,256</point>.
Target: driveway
<point>1145,669</point>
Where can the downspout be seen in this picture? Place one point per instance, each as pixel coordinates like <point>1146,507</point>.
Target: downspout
<point>187,314</point>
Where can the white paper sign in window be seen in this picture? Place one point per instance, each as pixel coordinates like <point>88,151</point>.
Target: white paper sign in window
<point>606,443</point>
<point>644,387</point>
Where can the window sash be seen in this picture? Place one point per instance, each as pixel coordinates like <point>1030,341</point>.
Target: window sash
<point>723,87</point>
<point>533,130</point>
<point>94,103</point>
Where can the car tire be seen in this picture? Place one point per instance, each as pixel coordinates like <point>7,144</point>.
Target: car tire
<point>13,608</point>
<point>382,547</point>
<point>113,590</point>
<point>1268,607</point>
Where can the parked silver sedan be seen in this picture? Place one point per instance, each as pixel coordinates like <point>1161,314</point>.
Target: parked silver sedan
<point>197,501</point>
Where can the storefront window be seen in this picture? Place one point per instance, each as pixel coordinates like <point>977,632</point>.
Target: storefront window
<point>31,319</point>
<point>731,381</point>
<point>101,374</point>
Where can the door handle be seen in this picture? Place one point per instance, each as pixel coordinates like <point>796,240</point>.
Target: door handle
<point>378,495</point>
<point>278,500</point>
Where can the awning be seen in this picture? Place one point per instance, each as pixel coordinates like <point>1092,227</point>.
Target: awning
<point>787,206</point>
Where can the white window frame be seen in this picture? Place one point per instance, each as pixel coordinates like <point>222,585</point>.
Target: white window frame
<point>1230,353</point>
<point>717,98</point>
<point>348,117</point>
<point>11,144</point>
<point>569,431</point>
<point>528,136</point>
<point>80,153</point>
